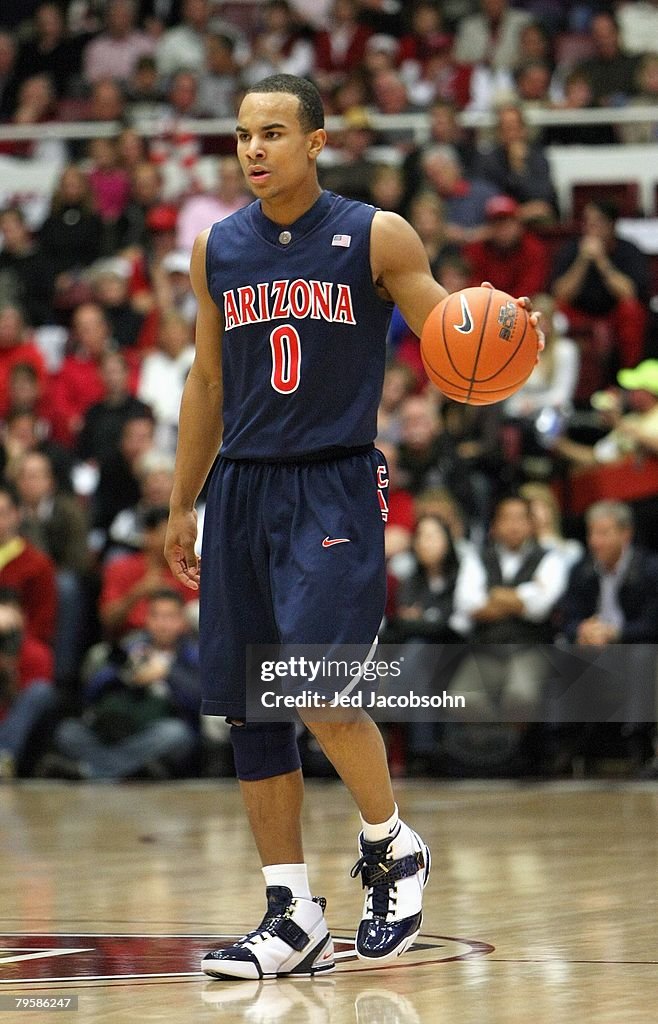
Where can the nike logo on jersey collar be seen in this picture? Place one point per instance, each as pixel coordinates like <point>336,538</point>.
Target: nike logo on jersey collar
<point>329,542</point>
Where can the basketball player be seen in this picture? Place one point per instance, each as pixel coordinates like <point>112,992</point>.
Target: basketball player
<point>295,293</point>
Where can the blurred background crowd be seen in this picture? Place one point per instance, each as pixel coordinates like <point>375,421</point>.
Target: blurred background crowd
<point>508,526</point>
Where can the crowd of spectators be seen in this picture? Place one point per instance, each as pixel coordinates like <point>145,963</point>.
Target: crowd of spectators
<point>96,338</point>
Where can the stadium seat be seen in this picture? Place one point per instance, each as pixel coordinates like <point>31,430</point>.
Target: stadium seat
<point>625,195</point>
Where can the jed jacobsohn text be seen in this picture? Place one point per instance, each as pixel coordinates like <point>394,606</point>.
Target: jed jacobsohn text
<point>309,699</point>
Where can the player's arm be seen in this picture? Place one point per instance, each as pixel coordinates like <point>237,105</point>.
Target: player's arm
<point>199,425</point>
<point>401,272</point>
<point>401,269</point>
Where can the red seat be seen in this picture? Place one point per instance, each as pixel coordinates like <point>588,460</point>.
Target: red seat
<point>624,194</point>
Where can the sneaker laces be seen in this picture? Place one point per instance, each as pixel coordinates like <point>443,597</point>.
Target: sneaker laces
<point>382,896</point>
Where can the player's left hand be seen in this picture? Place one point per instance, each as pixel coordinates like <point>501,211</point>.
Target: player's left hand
<point>534,318</point>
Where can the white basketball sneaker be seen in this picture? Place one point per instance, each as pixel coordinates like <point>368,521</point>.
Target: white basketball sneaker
<point>394,872</point>
<point>292,939</point>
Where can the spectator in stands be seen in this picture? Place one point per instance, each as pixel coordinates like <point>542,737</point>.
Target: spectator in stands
<point>50,50</point>
<point>56,524</point>
<point>24,431</point>
<point>108,180</point>
<point>611,72</point>
<point>26,691</point>
<point>129,582</point>
<point>427,218</point>
<point>110,281</point>
<point>183,46</point>
<point>514,259</point>
<point>509,596</point>
<point>141,715</point>
<point>282,45</point>
<point>8,75</point>
<point>145,93</point>
<point>114,52</point>
<point>103,421</point>
<point>145,194</point>
<point>612,598</point>
<point>424,617</point>
<point>350,172</point>
<point>545,511</point>
<point>633,432</point>
<point>492,36</point>
<point>578,96</point>
<point>79,382</point>
<point>155,473</point>
<point>600,276</point>
<point>399,382</point>
<point>118,485</point>
<point>532,81</point>
<point>542,406</point>
<point>71,235</point>
<point>612,595</point>
<point>107,101</point>
<point>198,211</point>
<point>518,168</point>
<point>27,392</point>
<point>391,97</point>
<point>427,455</point>
<point>464,199</point>
<point>387,187</point>
<point>163,374</point>
<point>220,80</point>
<point>26,276</point>
<point>444,130</point>
<point>340,48</point>
<point>17,345</point>
<point>36,105</point>
<point>26,570</point>
<point>647,96</point>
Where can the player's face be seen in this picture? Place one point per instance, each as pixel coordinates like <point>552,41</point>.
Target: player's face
<point>275,153</point>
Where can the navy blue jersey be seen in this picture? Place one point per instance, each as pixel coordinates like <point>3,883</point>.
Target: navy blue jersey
<point>304,330</point>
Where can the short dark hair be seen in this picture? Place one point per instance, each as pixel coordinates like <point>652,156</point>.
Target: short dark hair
<point>311,111</point>
<point>10,492</point>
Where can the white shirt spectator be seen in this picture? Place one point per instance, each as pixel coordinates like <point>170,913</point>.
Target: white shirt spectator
<point>539,595</point>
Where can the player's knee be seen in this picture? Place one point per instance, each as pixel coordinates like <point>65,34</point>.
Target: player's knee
<point>263,750</point>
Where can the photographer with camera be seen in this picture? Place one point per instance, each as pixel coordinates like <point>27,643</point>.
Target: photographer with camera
<point>26,690</point>
<point>142,711</point>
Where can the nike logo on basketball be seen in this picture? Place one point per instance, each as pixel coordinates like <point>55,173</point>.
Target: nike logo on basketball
<point>329,543</point>
<point>466,325</point>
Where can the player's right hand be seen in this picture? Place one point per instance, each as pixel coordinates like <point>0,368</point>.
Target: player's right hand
<point>179,548</point>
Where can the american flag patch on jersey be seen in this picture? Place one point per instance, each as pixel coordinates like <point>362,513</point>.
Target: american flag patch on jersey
<point>343,240</point>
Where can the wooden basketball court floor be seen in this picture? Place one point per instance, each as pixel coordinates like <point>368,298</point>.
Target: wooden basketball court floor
<point>541,908</point>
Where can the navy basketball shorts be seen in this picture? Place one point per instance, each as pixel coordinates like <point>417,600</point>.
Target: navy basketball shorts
<point>293,553</point>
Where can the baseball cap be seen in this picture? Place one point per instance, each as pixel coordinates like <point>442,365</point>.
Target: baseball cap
<point>176,262</point>
<point>643,377</point>
<point>162,217</point>
<point>501,206</point>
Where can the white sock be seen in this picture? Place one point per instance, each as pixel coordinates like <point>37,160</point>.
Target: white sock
<point>375,833</point>
<point>293,876</point>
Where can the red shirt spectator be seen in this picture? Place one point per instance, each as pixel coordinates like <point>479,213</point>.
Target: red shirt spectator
<point>16,346</point>
<point>79,383</point>
<point>128,582</point>
<point>27,571</point>
<point>511,258</point>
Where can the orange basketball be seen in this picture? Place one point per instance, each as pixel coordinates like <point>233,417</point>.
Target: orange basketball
<point>478,346</point>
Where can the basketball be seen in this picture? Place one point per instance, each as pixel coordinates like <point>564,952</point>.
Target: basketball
<point>478,346</point>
